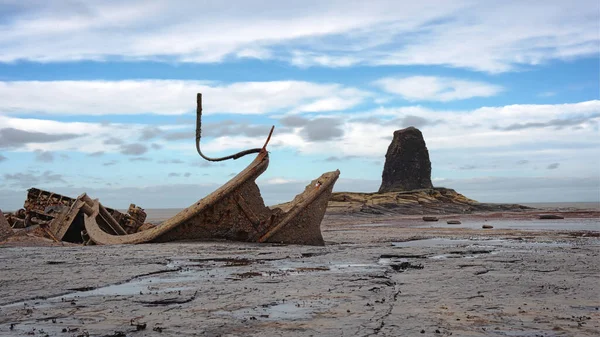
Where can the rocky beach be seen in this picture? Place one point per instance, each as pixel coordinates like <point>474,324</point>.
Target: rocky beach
<point>393,275</point>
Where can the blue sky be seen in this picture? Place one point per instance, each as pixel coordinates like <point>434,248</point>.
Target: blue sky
<point>99,96</point>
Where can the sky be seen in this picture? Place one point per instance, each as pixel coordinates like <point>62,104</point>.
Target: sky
<point>100,96</point>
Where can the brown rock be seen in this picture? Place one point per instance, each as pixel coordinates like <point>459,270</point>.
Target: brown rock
<point>453,222</point>
<point>407,166</point>
<point>487,226</point>
<point>430,218</point>
<point>5,229</point>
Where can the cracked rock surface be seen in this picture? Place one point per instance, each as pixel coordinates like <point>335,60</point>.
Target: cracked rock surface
<point>390,277</point>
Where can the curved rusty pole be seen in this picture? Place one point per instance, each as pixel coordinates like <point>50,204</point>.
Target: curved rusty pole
<point>199,131</point>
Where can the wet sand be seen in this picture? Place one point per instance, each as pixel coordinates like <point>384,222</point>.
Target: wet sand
<point>377,276</point>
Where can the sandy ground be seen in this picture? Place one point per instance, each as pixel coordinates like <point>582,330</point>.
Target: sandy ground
<point>394,276</point>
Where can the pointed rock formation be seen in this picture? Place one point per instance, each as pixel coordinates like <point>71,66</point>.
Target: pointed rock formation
<point>407,166</point>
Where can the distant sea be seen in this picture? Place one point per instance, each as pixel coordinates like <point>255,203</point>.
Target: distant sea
<point>563,205</point>
<point>156,215</point>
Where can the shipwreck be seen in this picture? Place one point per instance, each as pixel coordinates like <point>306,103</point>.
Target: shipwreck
<point>235,211</point>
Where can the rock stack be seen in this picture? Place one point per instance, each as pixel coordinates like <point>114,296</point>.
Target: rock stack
<point>407,166</point>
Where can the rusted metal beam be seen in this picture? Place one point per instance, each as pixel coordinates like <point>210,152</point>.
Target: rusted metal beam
<point>106,216</point>
<point>5,229</point>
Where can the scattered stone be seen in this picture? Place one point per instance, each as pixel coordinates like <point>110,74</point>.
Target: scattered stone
<point>453,222</point>
<point>487,226</point>
<point>430,218</point>
<point>550,217</point>
<point>407,166</point>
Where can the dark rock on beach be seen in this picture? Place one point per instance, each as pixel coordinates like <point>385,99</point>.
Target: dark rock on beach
<point>406,187</point>
<point>407,166</point>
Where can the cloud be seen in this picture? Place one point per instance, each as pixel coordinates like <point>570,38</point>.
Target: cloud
<point>547,94</point>
<point>2,158</point>
<point>461,33</point>
<point>30,179</point>
<point>96,154</point>
<point>44,156</point>
<point>477,132</point>
<point>557,123</point>
<point>467,167</point>
<point>553,166</point>
<point>14,138</point>
<point>172,97</point>
<point>182,135</point>
<point>146,159</point>
<point>113,141</point>
<point>171,161</point>
<point>338,159</point>
<point>134,149</point>
<point>322,129</point>
<point>293,121</point>
<point>432,88</point>
<point>173,174</point>
<point>149,133</point>
<point>416,121</point>
<point>110,163</point>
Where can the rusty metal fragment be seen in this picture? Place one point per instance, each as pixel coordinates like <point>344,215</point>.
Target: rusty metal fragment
<point>5,228</point>
<point>61,217</point>
<point>235,211</point>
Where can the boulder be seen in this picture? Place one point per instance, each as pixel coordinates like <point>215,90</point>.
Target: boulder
<point>487,226</point>
<point>430,218</point>
<point>5,229</point>
<point>407,166</point>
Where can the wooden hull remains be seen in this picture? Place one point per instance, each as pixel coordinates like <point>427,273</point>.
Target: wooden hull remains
<point>235,211</point>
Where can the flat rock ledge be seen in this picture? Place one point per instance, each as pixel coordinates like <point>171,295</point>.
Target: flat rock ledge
<point>437,200</point>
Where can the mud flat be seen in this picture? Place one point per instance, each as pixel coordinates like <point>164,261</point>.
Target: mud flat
<point>377,276</point>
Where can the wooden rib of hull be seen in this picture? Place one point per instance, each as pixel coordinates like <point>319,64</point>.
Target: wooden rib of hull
<point>235,211</point>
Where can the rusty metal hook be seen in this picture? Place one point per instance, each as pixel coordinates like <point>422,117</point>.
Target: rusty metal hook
<point>199,131</point>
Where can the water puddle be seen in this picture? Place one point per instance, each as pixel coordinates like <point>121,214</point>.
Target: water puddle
<point>479,243</point>
<point>528,333</point>
<point>581,224</point>
<point>448,242</point>
<point>293,310</point>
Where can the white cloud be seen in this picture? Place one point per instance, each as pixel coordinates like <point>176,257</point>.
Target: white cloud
<point>492,129</point>
<point>547,94</point>
<point>171,97</point>
<point>491,139</point>
<point>279,181</point>
<point>480,35</point>
<point>433,88</point>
